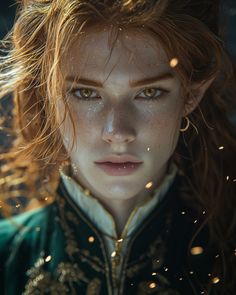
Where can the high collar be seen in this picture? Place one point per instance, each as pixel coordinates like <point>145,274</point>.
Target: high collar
<point>100,217</point>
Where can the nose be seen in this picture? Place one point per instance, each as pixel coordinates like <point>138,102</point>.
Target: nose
<point>119,127</point>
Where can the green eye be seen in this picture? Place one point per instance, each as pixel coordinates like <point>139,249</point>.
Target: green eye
<point>148,93</point>
<point>151,93</point>
<point>85,93</point>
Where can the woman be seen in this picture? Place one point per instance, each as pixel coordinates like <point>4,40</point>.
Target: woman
<point>122,136</point>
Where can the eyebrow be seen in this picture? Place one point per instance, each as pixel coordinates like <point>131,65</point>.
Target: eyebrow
<point>94,83</point>
<point>162,76</point>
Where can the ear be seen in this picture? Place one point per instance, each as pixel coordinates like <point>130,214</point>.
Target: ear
<point>195,95</point>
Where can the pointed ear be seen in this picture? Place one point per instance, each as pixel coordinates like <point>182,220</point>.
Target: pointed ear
<point>195,95</point>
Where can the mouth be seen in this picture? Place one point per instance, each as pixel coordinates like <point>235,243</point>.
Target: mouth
<point>119,169</point>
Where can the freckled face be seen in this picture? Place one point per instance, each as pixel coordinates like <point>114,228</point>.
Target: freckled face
<point>125,112</point>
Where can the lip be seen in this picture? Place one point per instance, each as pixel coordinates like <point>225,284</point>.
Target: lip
<point>119,169</point>
<point>119,159</point>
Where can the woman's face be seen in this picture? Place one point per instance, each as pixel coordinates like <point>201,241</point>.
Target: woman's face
<point>124,100</point>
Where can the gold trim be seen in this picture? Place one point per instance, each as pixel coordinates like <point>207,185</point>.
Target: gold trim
<point>98,235</point>
<point>66,274</point>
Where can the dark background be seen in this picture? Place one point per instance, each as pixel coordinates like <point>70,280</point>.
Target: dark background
<point>7,15</point>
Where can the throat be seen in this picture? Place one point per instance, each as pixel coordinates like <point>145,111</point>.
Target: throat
<point>121,211</point>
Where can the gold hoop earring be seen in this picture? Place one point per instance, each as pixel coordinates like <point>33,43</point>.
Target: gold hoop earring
<point>187,125</point>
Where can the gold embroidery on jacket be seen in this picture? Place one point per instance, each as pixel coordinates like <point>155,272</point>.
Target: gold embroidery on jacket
<point>71,244</point>
<point>84,255</point>
<point>68,274</point>
<point>61,282</point>
<point>154,255</point>
<point>94,287</point>
<point>156,252</point>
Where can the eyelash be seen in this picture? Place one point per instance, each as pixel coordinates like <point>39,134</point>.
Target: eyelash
<point>154,97</point>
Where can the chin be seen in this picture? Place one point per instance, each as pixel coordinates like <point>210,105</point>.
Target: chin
<point>119,193</point>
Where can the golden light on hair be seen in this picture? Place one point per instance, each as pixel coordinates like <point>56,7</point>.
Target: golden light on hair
<point>174,62</point>
<point>91,239</point>
<point>215,280</point>
<point>148,185</point>
<point>128,3</point>
<point>196,250</point>
<point>152,285</point>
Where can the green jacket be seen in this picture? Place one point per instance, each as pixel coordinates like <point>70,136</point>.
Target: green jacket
<point>57,250</point>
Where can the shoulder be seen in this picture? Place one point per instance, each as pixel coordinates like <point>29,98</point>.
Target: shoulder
<point>23,226</point>
<point>22,238</point>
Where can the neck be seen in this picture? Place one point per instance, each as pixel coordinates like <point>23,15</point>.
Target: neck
<point>121,209</point>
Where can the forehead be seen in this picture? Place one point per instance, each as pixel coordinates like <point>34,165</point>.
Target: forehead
<point>105,49</point>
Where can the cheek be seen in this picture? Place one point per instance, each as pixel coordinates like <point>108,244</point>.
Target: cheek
<point>162,131</point>
<point>85,126</point>
<point>164,115</point>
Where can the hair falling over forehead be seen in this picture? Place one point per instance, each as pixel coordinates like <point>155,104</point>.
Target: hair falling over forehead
<point>187,30</point>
